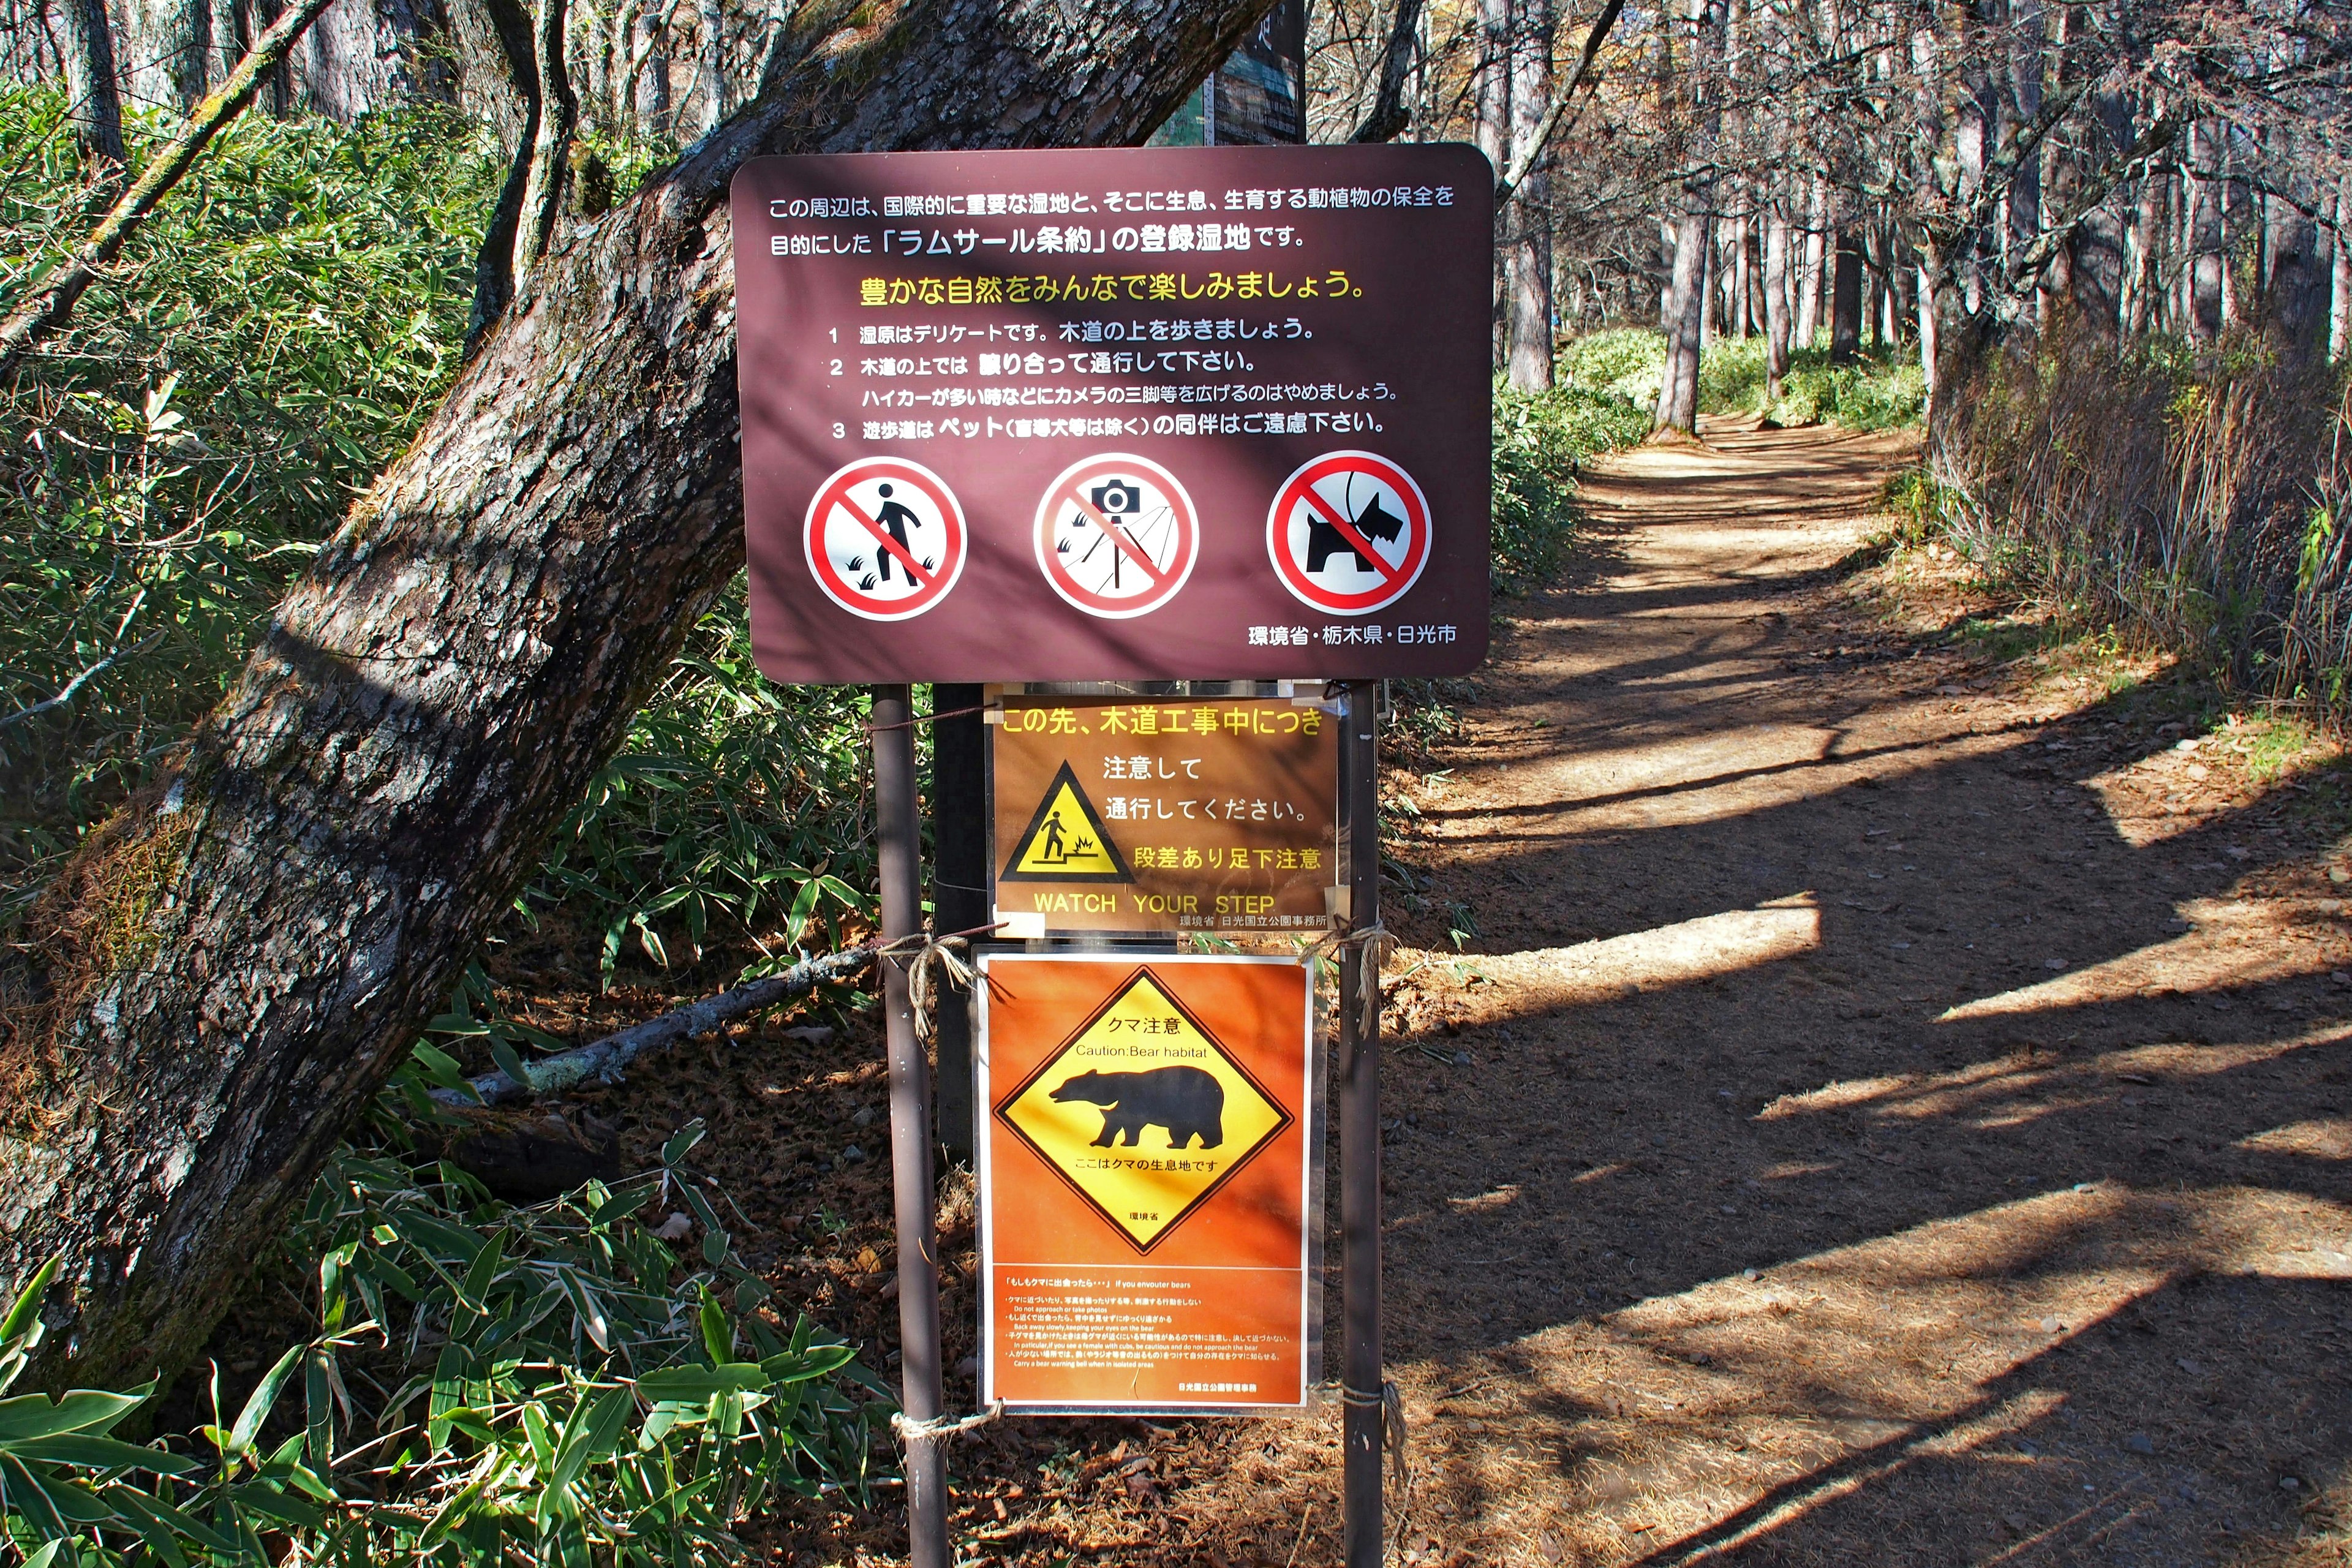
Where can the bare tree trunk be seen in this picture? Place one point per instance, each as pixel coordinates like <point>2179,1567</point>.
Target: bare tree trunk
<point>1493,91</point>
<point>2206,280</point>
<point>1527,263</point>
<point>440,687</point>
<point>1929,341</point>
<point>1809,286</point>
<point>558,117</point>
<point>1776,303</point>
<point>367,55</point>
<point>713,38</point>
<point>1845,301</point>
<point>2339,309</point>
<point>1387,117</point>
<point>88,45</point>
<point>1684,317</point>
<point>169,44</point>
<point>1687,291</point>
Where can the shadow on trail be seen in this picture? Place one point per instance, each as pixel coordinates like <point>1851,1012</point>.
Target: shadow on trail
<point>2008,1160</point>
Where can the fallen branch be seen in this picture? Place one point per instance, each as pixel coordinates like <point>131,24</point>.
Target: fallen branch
<point>53,295</point>
<point>604,1059</point>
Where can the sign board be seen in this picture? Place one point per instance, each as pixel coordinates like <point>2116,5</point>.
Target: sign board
<point>1145,1181</point>
<point>1215,413</point>
<point>1156,816</point>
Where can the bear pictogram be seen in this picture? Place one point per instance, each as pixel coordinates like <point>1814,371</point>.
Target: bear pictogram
<point>1185,1101</point>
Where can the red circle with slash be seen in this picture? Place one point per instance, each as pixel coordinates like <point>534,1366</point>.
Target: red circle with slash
<point>859,559</point>
<point>1117,535</point>
<point>1343,517</point>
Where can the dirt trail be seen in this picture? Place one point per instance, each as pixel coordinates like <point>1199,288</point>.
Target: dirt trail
<point>1892,1112</point>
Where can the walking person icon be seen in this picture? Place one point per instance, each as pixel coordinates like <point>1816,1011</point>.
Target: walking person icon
<point>1054,849</point>
<point>893,520</point>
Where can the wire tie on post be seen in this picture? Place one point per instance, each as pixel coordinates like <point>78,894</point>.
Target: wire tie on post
<point>874,729</point>
<point>1390,1403</point>
<point>938,1427</point>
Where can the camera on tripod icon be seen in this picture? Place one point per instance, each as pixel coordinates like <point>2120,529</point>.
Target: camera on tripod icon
<point>1116,497</point>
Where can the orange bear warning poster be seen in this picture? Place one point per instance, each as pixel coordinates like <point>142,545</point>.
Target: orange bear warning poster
<point>1145,1182</point>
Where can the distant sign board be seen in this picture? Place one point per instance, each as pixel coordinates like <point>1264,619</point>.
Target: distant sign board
<point>1158,815</point>
<point>1144,1181</point>
<point>1137,414</point>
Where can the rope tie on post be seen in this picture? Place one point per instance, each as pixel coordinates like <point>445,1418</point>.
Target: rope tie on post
<point>911,1431</point>
<point>923,956</point>
<point>1374,943</point>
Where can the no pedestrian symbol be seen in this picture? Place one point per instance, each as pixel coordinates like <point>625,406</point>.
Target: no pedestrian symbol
<point>1143,1112</point>
<point>884,539</point>
<point>1348,534</point>
<point>1065,841</point>
<point>1117,535</point>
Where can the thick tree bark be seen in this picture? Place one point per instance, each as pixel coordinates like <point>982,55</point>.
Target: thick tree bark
<point>367,55</point>
<point>1845,298</point>
<point>1776,303</point>
<point>443,682</point>
<point>88,45</point>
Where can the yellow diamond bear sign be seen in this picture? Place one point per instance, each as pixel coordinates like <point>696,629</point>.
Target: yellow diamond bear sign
<point>1142,1112</point>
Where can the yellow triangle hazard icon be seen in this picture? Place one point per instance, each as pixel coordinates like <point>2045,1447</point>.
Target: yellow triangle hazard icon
<point>1065,840</point>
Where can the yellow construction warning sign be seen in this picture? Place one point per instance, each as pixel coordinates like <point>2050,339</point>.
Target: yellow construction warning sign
<point>1065,840</point>
<point>1143,1112</point>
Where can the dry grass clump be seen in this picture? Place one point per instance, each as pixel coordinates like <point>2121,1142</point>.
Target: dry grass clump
<point>2191,500</point>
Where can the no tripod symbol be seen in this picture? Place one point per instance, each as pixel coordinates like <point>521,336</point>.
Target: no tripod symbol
<point>1117,535</point>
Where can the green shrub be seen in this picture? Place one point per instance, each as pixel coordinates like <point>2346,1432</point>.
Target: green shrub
<point>1540,442</point>
<point>487,1384</point>
<point>1627,363</point>
<point>171,460</point>
<point>1884,391</point>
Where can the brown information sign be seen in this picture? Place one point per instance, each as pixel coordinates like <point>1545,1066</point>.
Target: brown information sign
<point>1152,816</point>
<point>1144,1181</point>
<point>1154,413</point>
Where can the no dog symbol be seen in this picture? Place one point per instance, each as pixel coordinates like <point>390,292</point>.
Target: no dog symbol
<point>884,539</point>
<point>1348,534</point>
<point>1117,535</point>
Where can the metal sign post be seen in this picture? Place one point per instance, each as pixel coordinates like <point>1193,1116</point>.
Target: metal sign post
<point>910,1126</point>
<point>1362,1388</point>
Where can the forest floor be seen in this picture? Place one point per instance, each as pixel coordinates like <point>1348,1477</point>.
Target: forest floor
<point>1894,1108</point>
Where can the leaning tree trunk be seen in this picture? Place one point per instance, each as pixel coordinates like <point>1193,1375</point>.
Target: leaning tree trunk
<point>238,960</point>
